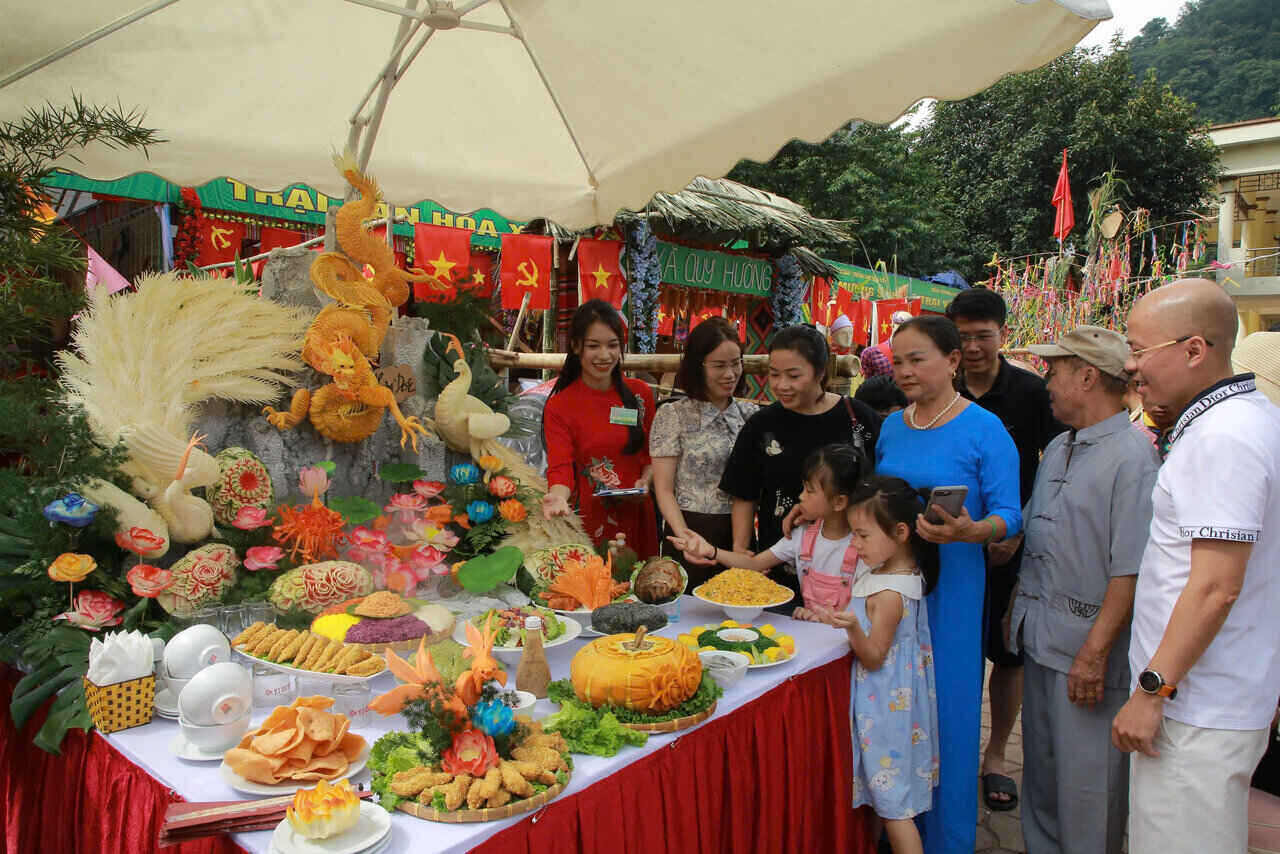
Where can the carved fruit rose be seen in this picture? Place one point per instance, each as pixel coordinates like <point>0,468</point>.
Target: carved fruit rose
<point>71,567</point>
<point>472,752</point>
<point>140,541</point>
<point>94,610</point>
<point>148,581</point>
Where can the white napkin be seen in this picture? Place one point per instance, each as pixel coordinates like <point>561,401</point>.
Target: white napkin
<point>119,657</point>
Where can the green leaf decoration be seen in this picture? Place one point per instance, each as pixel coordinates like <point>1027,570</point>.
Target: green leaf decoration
<point>482,574</point>
<point>355,509</point>
<point>326,466</point>
<point>401,472</point>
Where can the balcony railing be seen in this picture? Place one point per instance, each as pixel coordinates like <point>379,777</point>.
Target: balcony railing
<point>1261,261</point>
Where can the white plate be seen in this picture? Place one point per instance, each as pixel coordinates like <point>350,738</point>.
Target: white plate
<point>166,704</point>
<point>586,612</point>
<point>240,784</point>
<point>371,833</point>
<point>767,663</point>
<point>572,628</point>
<point>184,749</point>
<point>752,666</point>
<point>310,674</point>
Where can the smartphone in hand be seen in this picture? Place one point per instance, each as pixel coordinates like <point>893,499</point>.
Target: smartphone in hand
<point>949,498</point>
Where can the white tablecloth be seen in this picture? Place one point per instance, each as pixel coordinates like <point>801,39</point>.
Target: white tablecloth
<point>148,746</point>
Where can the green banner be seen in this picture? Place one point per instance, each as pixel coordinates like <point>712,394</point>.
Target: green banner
<point>881,284</point>
<point>717,271</point>
<point>296,203</point>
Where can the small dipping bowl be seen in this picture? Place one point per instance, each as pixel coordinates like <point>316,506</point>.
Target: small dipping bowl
<point>724,666</point>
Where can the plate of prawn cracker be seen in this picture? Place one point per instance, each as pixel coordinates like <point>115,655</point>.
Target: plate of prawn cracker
<point>296,746</point>
<point>537,771</point>
<point>305,653</point>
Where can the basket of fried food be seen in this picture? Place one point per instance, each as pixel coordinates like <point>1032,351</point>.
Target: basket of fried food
<point>294,650</point>
<point>537,771</point>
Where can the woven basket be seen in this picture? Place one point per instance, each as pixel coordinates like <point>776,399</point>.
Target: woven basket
<point>677,724</point>
<point>122,705</point>
<point>466,816</point>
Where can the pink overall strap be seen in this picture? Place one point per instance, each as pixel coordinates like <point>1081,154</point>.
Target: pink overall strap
<point>848,566</point>
<point>807,542</point>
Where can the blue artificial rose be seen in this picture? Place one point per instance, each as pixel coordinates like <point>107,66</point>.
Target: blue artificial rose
<point>493,717</point>
<point>479,512</point>
<point>464,473</point>
<point>71,509</point>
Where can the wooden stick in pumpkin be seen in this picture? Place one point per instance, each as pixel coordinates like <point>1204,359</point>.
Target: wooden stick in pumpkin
<point>639,644</point>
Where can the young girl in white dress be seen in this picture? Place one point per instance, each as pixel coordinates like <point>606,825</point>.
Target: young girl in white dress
<point>895,718</point>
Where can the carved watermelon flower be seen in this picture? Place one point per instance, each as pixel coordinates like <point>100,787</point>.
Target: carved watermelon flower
<point>262,557</point>
<point>93,610</point>
<point>428,488</point>
<point>502,486</point>
<point>251,518</point>
<point>140,541</point>
<point>149,581</point>
<point>472,752</point>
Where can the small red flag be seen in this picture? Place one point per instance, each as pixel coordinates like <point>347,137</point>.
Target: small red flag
<point>218,241</point>
<point>859,312</point>
<point>481,281</point>
<point>526,269</point>
<point>1065,216</point>
<point>884,316</point>
<point>443,252</point>
<point>823,313</point>
<point>600,271</point>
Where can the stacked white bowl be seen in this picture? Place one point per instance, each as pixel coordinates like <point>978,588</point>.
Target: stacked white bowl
<point>214,706</point>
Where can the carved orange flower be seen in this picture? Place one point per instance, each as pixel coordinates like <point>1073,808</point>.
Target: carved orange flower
<point>71,567</point>
<point>512,510</point>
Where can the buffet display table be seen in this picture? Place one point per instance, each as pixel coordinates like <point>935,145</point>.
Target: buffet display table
<point>770,771</point>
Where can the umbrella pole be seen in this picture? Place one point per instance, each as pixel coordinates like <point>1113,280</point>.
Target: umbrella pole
<point>390,76</point>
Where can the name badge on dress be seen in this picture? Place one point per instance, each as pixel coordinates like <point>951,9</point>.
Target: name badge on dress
<point>623,415</point>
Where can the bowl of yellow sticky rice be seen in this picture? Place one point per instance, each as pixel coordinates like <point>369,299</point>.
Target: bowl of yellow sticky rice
<point>742,593</point>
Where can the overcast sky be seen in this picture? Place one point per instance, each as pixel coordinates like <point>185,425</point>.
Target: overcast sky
<point>1129,16</point>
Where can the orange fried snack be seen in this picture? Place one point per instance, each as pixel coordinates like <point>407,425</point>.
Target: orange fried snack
<point>302,741</point>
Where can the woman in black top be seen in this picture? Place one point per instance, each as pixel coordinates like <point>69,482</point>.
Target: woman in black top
<point>763,472</point>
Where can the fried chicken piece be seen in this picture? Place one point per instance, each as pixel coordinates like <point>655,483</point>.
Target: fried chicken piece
<point>543,757</point>
<point>532,772</point>
<point>456,792</point>
<point>483,789</point>
<point>553,740</point>
<point>350,655</point>
<point>408,784</point>
<point>500,799</point>
<point>263,643</point>
<point>308,644</point>
<point>331,652</point>
<point>279,646</point>
<point>513,781</point>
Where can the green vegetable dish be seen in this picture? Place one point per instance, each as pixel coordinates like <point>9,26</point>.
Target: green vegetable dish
<point>511,625</point>
<point>394,752</point>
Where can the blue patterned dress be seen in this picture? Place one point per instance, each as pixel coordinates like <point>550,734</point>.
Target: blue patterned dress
<point>894,709</point>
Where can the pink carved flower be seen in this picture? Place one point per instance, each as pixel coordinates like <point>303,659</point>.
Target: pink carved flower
<point>149,581</point>
<point>94,610</point>
<point>428,488</point>
<point>425,560</point>
<point>251,518</point>
<point>368,538</point>
<point>313,481</point>
<point>262,557</point>
<point>406,503</point>
<point>426,532</point>
<point>400,579</point>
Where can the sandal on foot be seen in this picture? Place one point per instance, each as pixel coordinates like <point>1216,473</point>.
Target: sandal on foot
<point>999,784</point>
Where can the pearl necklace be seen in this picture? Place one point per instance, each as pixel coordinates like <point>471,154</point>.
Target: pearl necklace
<point>911,414</point>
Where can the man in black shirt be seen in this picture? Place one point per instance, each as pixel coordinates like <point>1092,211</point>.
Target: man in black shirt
<point>1021,401</point>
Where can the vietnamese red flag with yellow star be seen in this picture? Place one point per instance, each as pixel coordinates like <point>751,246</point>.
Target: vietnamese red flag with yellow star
<point>480,282</point>
<point>526,269</point>
<point>600,272</point>
<point>666,322</point>
<point>445,253</point>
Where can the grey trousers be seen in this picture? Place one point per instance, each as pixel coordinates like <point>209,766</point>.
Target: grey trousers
<point>1075,784</point>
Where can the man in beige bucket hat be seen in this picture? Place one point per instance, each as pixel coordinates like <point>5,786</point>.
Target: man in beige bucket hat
<point>1086,528</point>
<point>1259,354</point>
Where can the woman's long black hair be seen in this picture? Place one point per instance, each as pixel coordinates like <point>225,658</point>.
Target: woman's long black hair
<point>591,312</point>
<point>891,500</point>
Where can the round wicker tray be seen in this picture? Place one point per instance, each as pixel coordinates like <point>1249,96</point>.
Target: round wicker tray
<point>677,724</point>
<point>487,814</point>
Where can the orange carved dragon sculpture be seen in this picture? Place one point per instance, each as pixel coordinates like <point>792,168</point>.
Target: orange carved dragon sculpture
<point>347,334</point>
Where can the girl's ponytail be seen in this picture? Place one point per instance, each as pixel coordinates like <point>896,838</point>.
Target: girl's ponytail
<point>892,501</point>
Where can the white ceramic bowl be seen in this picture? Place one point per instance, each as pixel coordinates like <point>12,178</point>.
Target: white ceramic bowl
<point>724,666</point>
<point>742,613</point>
<point>220,693</point>
<point>524,700</point>
<point>215,738</point>
<point>195,648</point>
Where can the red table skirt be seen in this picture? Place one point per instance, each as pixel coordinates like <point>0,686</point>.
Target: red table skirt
<point>772,777</point>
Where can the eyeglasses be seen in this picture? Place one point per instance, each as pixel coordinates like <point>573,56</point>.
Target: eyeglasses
<point>1142,351</point>
<point>722,367</point>
<point>978,337</point>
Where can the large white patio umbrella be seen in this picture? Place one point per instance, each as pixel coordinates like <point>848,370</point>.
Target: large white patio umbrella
<point>569,109</point>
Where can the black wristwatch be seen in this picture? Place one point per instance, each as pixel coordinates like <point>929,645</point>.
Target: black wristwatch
<point>1153,683</point>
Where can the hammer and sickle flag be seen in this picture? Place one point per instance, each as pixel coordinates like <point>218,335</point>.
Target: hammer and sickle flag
<point>600,272</point>
<point>219,241</point>
<point>526,269</point>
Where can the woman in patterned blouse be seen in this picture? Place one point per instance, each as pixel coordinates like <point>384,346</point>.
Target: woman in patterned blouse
<point>692,437</point>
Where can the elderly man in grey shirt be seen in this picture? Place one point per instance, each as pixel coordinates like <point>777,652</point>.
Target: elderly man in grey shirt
<point>1086,528</point>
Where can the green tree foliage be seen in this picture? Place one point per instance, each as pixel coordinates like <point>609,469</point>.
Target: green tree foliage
<point>45,450</point>
<point>998,153</point>
<point>1222,55</point>
<point>869,174</point>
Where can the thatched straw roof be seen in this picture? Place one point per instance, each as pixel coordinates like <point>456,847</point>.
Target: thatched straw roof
<point>718,212</point>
